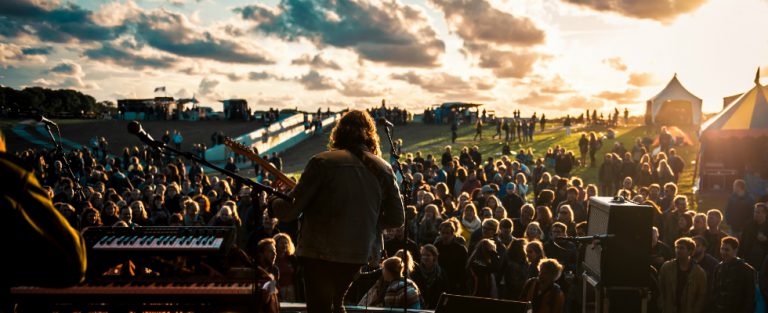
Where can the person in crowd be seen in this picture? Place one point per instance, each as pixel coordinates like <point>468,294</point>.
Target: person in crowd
<point>565,216</point>
<point>703,259</point>
<point>660,251</point>
<point>533,232</point>
<point>391,291</point>
<point>682,282</point>
<point>564,251</point>
<point>733,282</point>
<point>714,234</point>
<point>579,212</point>
<point>397,242</point>
<point>594,145</point>
<point>527,215</point>
<point>754,239</point>
<point>481,268</point>
<point>739,209</point>
<point>512,201</point>
<point>606,175</point>
<point>429,225</point>
<point>583,149</point>
<point>469,221</point>
<point>505,232</point>
<point>534,252</point>
<point>364,195</point>
<point>267,276</point>
<point>430,277</point>
<point>542,292</point>
<point>514,270</point>
<point>453,252</point>
<point>676,163</point>
<point>671,220</point>
<point>287,263</point>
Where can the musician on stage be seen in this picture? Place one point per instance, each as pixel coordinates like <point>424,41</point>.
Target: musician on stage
<point>42,248</point>
<point>345,197</point>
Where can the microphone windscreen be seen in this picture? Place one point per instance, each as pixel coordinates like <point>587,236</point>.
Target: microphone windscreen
<point>134,127</point>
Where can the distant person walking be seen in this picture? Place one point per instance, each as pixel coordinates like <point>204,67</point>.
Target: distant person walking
<point>567,125</point>
<point>478,130</point>
<point>498,129</point>
<point>454,128</point>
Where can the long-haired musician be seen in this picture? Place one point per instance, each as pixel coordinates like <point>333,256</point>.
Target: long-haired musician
<point>344,197</point>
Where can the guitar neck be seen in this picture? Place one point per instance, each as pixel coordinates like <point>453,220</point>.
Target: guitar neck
<point>245,151</point>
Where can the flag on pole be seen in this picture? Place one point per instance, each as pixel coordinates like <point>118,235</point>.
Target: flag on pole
<point>160,89</point>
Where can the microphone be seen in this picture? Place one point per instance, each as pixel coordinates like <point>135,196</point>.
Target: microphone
<point>135,128</point>
<point>386,122</point>
<point>587,238</point>
<point>42,119</point>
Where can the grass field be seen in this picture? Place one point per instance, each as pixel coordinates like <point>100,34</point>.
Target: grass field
<point>431,139</point>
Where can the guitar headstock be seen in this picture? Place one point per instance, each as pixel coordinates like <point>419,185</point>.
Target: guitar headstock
<point>236,146</point>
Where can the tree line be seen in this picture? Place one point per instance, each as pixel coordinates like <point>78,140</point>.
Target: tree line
<point>59,103</point>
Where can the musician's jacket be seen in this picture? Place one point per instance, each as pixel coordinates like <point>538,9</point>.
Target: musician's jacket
<point>42,249</point>
<point>343,205</point>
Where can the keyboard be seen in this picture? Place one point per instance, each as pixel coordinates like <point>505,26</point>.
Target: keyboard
<point>195,239</point>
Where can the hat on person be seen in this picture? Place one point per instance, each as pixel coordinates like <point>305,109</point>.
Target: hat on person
<point>511,186</point>
<point>487,189</point>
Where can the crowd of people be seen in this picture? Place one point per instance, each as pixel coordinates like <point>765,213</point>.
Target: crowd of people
<point>476,226</point>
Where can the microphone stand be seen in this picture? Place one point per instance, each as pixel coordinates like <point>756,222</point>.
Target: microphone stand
<point>160,146</point>
<point>406,194</point>
<point>59,154</point>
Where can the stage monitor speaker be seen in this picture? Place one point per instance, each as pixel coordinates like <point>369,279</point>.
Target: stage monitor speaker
<point>624,260</point>
<point>449,303</point>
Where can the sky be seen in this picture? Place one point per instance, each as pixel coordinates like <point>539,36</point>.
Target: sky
<point>552,56</point>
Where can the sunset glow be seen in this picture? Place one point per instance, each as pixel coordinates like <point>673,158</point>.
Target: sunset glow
<point>548,56</point>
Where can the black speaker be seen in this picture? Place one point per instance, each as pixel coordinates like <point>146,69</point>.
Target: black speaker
<point>449,303</point>
<point>624,260</point>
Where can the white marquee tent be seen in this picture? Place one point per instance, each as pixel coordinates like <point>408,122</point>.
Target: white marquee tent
<point>674,99</point>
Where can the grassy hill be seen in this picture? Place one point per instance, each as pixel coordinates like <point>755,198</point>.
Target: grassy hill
<point>431,139</point>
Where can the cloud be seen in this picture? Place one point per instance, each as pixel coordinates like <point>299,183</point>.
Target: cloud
<point>67,68</point>
<point>65,74</point>
<point>505,63</point>
<point>315,81</point>
<point>37,50</point>
<point>316,62</point>
<point>446,84</point>
<point>183,93</point>
<point>274,101</point>
<point>111,54</point>
<point>551,102</point>
<point>358,87</point>
<point>11,53</point>
<point>579,102</point>
<point>660,10</point>
<point>537,99</point>
<point>641,79</point>
<point>253,76</point>
<point>259,75</point>
<point>616,63</point>
<point>555,86</point>
<point>386,32</point>
<point>208,88</point>
<point>62,24</point>
<point>620,97</point>
<point>161,29</point>
<point>174,33</point>
<point>478,20</point>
